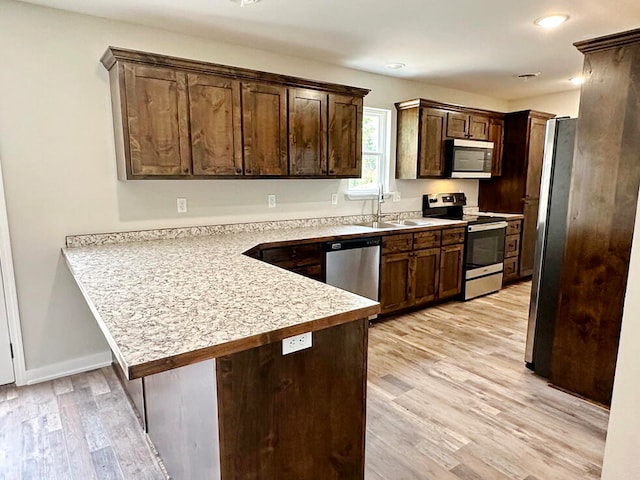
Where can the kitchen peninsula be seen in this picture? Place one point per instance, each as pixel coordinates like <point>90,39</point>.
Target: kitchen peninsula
<point>196,327</point>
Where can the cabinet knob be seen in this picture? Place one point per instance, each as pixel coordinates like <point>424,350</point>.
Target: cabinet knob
<point>331,172</point>
<point>186,170</point>
<point>238,170</point>
<point>248,171</point>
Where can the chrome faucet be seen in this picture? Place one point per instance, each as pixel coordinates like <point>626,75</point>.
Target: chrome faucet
<point>380,202</point>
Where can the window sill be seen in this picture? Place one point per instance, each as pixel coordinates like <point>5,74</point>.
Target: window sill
<point>367,195</point>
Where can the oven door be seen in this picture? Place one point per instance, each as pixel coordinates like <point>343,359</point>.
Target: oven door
<point>485,249</point>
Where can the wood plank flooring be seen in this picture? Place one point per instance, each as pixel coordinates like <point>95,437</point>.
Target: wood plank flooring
<point>449,399</point>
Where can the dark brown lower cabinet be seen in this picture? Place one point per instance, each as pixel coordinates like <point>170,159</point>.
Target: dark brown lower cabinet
<point>417,276</point>
<point>298,416</point>
<point>451,263</point>
<point>304,259</point>
<point>427,275</point>
<point>396,281</point>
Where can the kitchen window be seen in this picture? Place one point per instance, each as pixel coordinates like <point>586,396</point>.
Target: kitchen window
<point>376,129</point>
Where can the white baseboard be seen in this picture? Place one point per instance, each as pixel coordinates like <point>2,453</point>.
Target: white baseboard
<point>68,367</point>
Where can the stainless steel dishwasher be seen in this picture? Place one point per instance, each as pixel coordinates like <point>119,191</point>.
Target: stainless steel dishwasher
<point>354,265</point>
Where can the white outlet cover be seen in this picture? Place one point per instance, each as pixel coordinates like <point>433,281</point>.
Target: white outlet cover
<point>396,197</point>
<point>271,201</point>
<point>297,343</point>
<point>181,204</point>
<point>334,199</point>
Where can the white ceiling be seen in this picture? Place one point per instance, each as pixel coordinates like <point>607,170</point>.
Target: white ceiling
<point>472,45</point>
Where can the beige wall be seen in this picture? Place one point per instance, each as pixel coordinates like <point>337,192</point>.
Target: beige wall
<point>57,155</point>
<point>621,459</point>
<point>562,104</point>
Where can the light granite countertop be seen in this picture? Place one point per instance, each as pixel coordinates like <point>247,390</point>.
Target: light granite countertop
<point>169,302</point>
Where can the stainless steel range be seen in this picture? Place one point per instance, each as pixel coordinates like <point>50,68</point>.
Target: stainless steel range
<point>484,243</point>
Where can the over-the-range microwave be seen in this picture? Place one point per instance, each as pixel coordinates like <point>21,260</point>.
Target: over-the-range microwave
<point>468,158</point>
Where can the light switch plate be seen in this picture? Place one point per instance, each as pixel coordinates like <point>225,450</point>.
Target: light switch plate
<point>396,196</point>
<point>334,199</point>
<point>297,343</point>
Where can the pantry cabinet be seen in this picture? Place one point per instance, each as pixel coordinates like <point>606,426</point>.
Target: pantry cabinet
<point>183,119</point>
<point>517,190</point>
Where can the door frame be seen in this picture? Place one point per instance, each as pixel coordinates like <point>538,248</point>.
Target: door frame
<point>10,293</point>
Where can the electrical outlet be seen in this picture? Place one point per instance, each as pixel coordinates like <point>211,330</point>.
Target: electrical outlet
<point>334,199</point>
<point>271,201</point>
<point>297,343</point>
<point>182,205</point>
<point>396,196</point>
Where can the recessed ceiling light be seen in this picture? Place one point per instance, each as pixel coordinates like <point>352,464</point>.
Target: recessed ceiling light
<point>242,3</point>
<point>395,66</point>
<point>551,21</point>
<point>577,80</point>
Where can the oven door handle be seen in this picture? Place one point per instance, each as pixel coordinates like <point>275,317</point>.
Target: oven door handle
<point>486,226</point>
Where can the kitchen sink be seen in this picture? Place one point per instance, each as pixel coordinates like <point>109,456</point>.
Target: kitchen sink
<point>380,225</point>
<point>417,222</point>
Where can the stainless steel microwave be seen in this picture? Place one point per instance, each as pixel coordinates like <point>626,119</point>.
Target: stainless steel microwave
<point>468,158</point>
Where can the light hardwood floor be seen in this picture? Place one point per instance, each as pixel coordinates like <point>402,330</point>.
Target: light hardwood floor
<point>449,399</point>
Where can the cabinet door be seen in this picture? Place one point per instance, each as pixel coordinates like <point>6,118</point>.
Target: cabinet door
<point>396,271</point>
<point>427,275</point>
<point>214,113</point>
<point>156,121</point>
<point>478,127</point>
<point>496,135</point>
<point>264,124</point>
<point>345,136</point>
<point>457,125</point>
<point>537,131</point>
<point>528,240</point>
<point>431,146</point>
<point>451,262</point>
<point>307,132</point>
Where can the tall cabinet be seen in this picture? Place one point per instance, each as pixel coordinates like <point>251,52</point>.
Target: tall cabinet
<point>602,212</point>
<point>517,190</point>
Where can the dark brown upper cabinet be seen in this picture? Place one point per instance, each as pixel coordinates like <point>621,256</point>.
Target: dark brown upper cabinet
<point>214,115</point>
<point>264,129</point>
<point>307,132</point>
<point>155,126</point>
<point>345,135</point>
<point>424,125</point>
<point>464,125</point>
<point>183,119</point>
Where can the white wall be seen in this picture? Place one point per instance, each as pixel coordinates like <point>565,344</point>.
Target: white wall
<point>562,104</point>
<point>621,459</point>
<point>57,154</point>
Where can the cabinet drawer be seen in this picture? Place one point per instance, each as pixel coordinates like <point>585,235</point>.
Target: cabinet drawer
<point>293,256</point>
<point>451,236</point>
<point>510,269</point>
<point>512,246</point>
<point>397,243</point>
<point>514,227</point>
<point>428,239</point>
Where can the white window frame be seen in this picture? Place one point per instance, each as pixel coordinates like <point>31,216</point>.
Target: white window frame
<point>385,156</point>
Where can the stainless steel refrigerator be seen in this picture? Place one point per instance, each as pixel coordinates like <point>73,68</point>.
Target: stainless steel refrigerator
<point>551,231</point>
